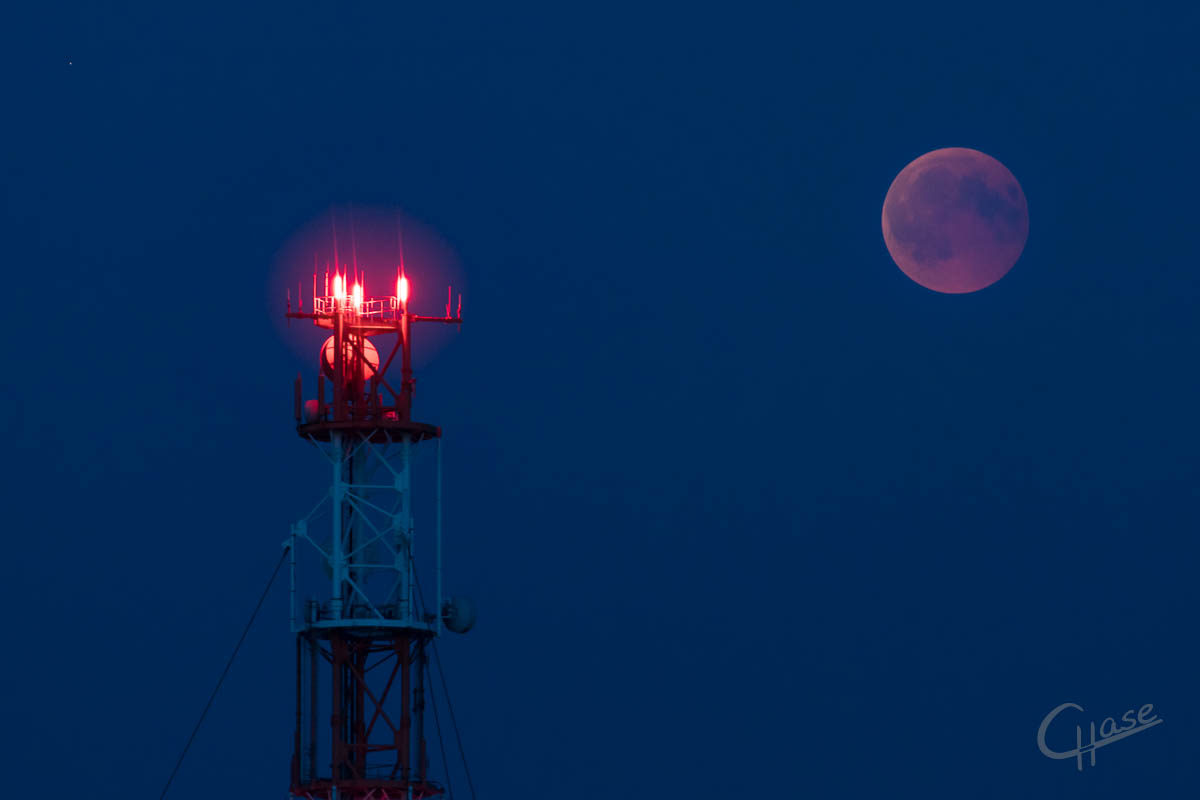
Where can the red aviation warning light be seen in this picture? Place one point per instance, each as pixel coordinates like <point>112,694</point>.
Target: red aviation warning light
<point>402,289</point>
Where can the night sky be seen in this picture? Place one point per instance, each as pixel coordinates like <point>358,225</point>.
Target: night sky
<point>746,512</point>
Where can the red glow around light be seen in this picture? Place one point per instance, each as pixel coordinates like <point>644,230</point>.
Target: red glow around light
<point>339,288</point>
<point>402,289</point>
<point>357,296</point>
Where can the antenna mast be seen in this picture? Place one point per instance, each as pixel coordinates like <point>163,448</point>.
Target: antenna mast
<point>364,633</point>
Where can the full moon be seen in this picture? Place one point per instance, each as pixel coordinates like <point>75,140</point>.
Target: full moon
<point>955,220</point>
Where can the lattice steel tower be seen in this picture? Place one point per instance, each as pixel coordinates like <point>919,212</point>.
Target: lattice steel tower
<point>362,675</point>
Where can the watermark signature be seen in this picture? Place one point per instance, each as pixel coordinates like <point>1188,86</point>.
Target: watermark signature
<point>1110,731</point>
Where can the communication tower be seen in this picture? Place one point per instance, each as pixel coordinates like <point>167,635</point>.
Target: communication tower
<point>362,640</point>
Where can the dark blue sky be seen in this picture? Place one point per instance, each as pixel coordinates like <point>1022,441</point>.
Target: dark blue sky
<point>746,511</point>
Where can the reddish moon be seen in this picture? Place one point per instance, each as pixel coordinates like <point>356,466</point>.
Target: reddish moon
<point>955,220</point>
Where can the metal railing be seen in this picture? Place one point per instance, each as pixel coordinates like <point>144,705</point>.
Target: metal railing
<point>376,308</point>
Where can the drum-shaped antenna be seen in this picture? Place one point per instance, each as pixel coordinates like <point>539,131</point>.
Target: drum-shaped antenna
<point>458,613</point>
